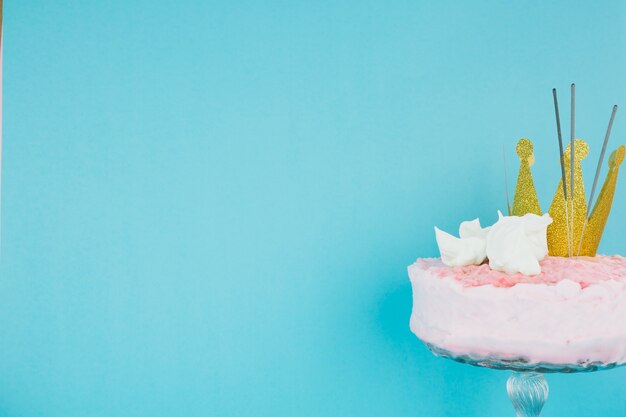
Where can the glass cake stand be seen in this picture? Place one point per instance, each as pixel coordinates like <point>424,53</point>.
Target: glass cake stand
<point>527,387</point>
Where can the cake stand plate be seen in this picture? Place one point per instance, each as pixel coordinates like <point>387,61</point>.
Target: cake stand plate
<point>527,387</point>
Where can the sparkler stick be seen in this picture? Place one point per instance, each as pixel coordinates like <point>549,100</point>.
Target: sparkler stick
<point>572,151</point>
<point>563,179</point>
<point>595,179</point>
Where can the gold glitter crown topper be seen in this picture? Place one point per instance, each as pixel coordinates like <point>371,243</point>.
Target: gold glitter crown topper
<point>575,231</point>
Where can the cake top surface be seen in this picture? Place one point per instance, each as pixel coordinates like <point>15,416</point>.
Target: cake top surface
<point>584,270</point>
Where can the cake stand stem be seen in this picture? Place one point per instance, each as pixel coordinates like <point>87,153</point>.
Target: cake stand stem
<point>528,392</point>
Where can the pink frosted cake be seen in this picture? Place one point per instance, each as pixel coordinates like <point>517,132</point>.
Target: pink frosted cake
<point>529,291</point>
<point>573,312</point>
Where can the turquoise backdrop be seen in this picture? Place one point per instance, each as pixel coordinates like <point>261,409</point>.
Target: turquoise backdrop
<point>208,208</point>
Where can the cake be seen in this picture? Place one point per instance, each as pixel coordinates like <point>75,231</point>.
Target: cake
<point>530,292</point>
<point>573,312</point>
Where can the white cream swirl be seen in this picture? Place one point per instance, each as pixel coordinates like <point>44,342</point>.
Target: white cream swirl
<point>513,244</point>
<point>469,249</point>
<point>517,244</point>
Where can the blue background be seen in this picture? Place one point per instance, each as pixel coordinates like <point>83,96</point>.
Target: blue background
<point>209,208</point>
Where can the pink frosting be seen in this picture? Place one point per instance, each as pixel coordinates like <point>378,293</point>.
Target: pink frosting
<point>583,270</point>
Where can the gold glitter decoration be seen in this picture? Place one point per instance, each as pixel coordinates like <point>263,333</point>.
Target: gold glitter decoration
<point>599,215</point>
<point>557,232</point>
<point>525,200</point>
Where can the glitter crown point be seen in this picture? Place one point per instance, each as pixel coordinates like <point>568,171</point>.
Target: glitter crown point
<point>573,231</point>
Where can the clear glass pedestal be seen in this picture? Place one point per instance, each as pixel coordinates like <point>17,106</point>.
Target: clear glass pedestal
<point>528,391</point>
<point>527,386</point>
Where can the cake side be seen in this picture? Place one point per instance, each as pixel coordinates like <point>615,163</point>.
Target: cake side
<point>570,320</point>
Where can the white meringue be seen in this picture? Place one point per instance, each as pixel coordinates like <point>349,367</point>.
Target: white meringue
<point>517,244</point>
<point>472,228</point>
<point>513,244</point>
<point>470,249</point>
